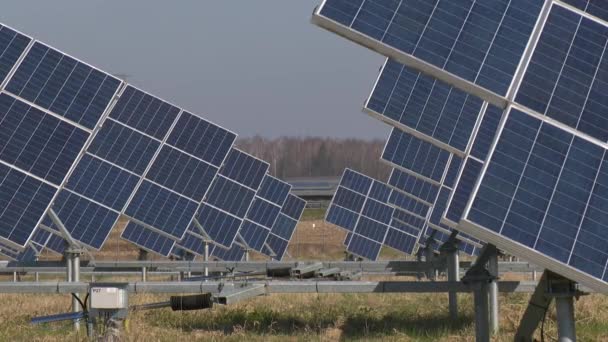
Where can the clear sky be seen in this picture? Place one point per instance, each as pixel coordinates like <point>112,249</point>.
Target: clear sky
<point>253,66</point>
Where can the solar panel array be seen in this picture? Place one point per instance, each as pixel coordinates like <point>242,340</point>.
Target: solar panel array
<point>535,186</point>
<point>98,149</point>
<point>375,215</point>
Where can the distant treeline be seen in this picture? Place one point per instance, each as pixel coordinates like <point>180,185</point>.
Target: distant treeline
<point>314,157</point>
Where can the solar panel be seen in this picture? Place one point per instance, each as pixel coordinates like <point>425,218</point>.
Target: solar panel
<point>415,156</point>
<point>284,227</point>
<point>474,45</point>
<point>366,208</point>
<point>231,194</point>
<point>147,239</point>
<point>234,253</point>
<point>425,107</point>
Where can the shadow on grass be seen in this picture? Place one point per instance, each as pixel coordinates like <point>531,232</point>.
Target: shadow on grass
<point>353,324</point>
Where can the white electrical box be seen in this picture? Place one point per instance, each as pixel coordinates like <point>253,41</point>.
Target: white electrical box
<point>108,298</point>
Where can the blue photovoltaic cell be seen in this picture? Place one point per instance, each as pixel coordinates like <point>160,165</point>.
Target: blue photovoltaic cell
<point>37,142</point>
<point>452,172</point>
<point>274,190</point>
<point>202,139</point>
<point>284,227</point>
<point>162,209</point>
<point>409,204</point>
<point>144,112</point>
<point>220,226</point>
<point>413,185</point>
<point>87,222</point>
<point>12,46</point>
<point>486,132</point>
<point>9,252</point>
<point>278,246</point>
<point>544,188</point>
<point>463,190</point>
<point>230,196</point>
<point>181,254</point>
<point>147,239</point>
<point>294,207</point>
<point>408,152</point>
<point>567,76</point>
<point>193,244</point>
<point>102,182</point>
<point>373,218</point>
<point>124,147</point>
<point>244,169</point>
<point>64,86</point>
<point>263,212</point>
<point>235,253</point>
<point>364,247</point>
<point>347,239</point>
<point>24,201</point>
<point>596,8</point>
<point>480,41</point>
<point>421,103</point>
<point>438,238</point>
<point>254,234</point>
<point>40,237</point>
<point>182,173</point>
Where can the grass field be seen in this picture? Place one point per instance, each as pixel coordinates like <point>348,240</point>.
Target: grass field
<point>298,317</point>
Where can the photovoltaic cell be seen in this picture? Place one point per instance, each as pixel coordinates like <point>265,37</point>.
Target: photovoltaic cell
<point>147,239</point>
<point>23,201</point>
<point>420,104</point>
<point>598,9</point>
<point>567,76</point>
<point>234,253</point>
<point>542,196</point>
<point>12,46</point>
<point>274,190</point>
<point>371,217</point>
<point>284,227</point>
<point>63,85</point>
<point>87,222</point>
<point>479,41</point>
<point>409,153</point>
<point>38,142</point>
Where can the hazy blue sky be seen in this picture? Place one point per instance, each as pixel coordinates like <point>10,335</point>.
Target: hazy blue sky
<point>253,66</point>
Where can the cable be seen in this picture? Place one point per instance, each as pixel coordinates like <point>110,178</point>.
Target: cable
<point>84,308</point>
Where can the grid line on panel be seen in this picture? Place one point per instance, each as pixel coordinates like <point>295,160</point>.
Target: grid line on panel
<point>15,49</point>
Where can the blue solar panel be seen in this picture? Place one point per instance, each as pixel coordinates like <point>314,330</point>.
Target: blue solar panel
<point>284,227</point>
<point>193,244</point>
<point>182,173</point>
<point>202,139</point>
<point>263,213</point>
<point>244,169</point>
<point>234,253</point>
<point>413,155</point>
<point>254,235</point>
<point>567,76</point>
<point>87,221</point>
<point>102,182</point>
<point>420,104</point>
<point>230,196</point>
<point>63,85</point>
<point>274,190</point>
<point>412,185</point>
<point>144,112</point>
<point>23,202</point>
<point>480,41</point>
<point>162,209</point>
<point>56,244</point>
<point>371,217</point>
<point>121,145</point>
<point>9,252</point>
<point>219,225</point>
<point>147,239</point>
<point>542,196</point>
<point>278,246</point>
<point>37,142</point>
<point>595,8</point>
<point>12,46</point>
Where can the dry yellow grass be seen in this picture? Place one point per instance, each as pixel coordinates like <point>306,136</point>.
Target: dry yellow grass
<point>296,317</point>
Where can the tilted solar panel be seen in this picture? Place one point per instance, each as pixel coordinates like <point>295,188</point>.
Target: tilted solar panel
<point>232,193</point>
<point>147,239</point>
<point>284,227</point>
<point>474,45</point>
<point>366,208</point>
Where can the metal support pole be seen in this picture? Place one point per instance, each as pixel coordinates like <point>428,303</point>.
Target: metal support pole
<point>144,274</point>
<point>539,302</point>
<point>566,330</point>
<point>493,293</point>
<point>206,257</point>
<point>37,276</point>
<point>246,254</point>
<point>76,278</point>
<point>15,278</point>
<point>453,275</point>
<point>482,331</point>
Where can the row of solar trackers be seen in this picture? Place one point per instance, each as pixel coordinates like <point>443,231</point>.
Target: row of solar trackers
<point>540,66</point>
<point>92,149</point>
